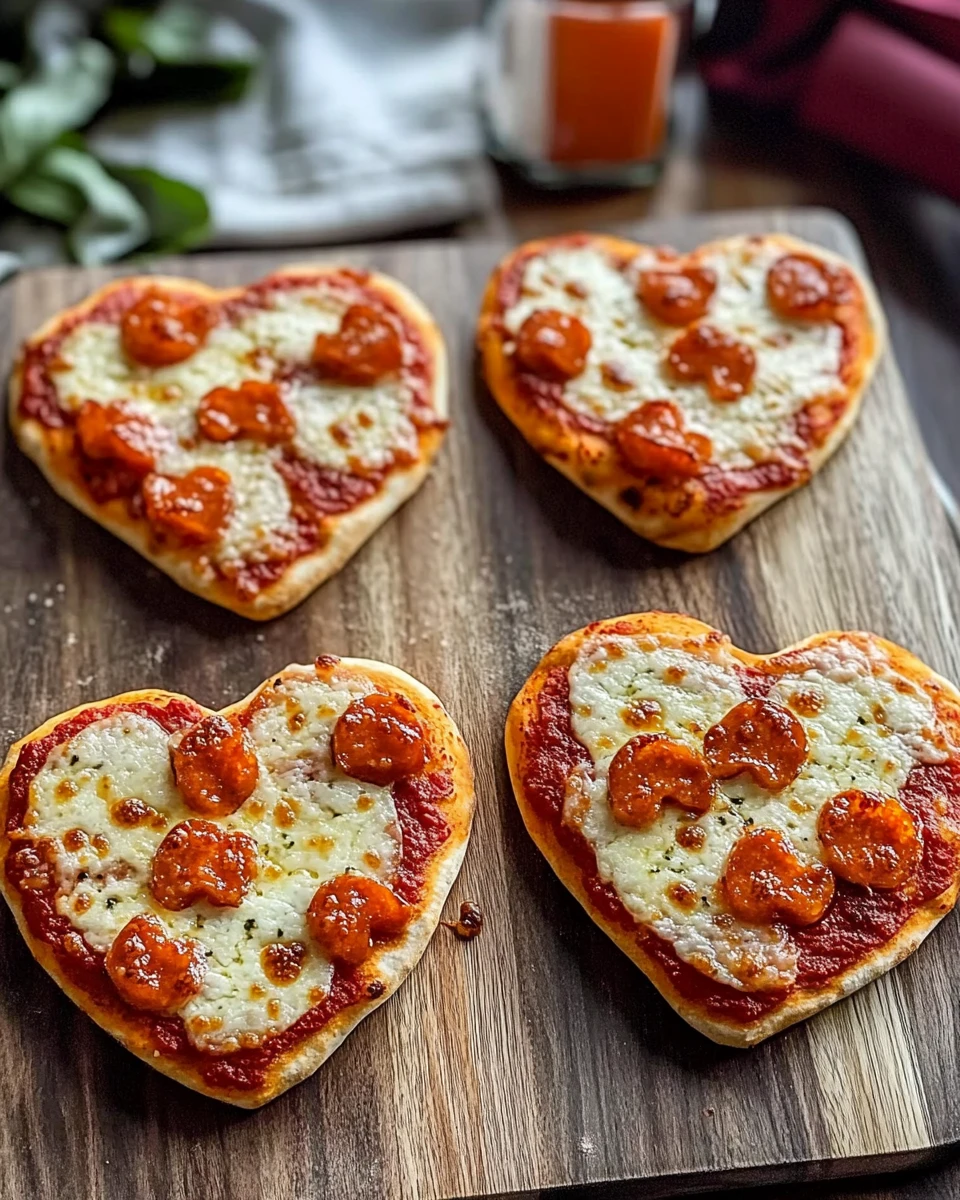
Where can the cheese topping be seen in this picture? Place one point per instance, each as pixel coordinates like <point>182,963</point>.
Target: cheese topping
<point>340,427</point>
<point>868,727</point>
<point>310,822</point>
<point>795,361</point>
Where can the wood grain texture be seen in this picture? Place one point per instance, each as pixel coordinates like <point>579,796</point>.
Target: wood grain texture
<point>536,1056</point>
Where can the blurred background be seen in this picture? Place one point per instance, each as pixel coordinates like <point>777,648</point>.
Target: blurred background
<point>143,128</point>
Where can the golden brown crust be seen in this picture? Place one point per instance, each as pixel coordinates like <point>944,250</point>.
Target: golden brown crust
<point>389,966</point>
<point>675,517</point>
<point>800,1004</point>
<point>52,452</point>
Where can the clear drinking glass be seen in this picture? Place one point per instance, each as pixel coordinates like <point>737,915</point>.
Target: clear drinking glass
<point>577,92</point>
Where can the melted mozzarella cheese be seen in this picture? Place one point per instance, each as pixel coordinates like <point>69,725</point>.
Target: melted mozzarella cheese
<point>336,426</point>
<point>288,327</point>
<point>871,728</point>
<point>339,426</point>
<point>796,361</point>
<point>310,823</point>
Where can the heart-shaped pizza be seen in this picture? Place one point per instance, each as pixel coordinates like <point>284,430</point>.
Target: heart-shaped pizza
<point>246,441</point>
<point>762,835</point>
<point>686,393</point>
<point>230,893</point>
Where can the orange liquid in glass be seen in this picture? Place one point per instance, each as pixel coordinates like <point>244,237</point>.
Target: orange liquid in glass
<point>611,68</point>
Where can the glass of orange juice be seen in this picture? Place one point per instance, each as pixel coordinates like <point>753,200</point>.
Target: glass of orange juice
<point>578,91</point>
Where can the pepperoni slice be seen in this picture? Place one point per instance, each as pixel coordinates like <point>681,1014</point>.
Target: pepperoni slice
<point>192,507</point>
<point>378,739</point>
<point>253,410</point>
<point>706,353</point>
<point>160,329</point>
<point>803,288</point>
<point>348,914</point>
<point>648,771</point>
<point>679,295</point>
<point>152,971</point>
<point>553,345</point>
<point>366,347</point>
<point>198,860</point>
<point>765,881</point>
<point>869,839</point>
<point>652,440</point>
<point>215,766</point>
<point>758,737</point>
<point>116,433</point>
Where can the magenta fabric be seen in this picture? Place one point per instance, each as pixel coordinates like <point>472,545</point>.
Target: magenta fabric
<point>936,22</point>
<point>885,82</point>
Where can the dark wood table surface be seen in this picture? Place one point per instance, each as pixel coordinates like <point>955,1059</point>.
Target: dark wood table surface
<point>729,157</point>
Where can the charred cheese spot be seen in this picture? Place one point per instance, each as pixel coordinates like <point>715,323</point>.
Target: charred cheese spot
<point>283,961</point>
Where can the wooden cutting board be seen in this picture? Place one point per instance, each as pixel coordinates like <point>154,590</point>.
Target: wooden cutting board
<point>536,1056</point>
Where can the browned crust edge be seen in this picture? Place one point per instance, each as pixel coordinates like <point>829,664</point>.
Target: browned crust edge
<point>799,1006</point>
<point>390,966</point>
<point>571,452</point>
<point>348,531</point>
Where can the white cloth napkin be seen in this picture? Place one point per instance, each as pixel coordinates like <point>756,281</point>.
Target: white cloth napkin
<point>361,121</point>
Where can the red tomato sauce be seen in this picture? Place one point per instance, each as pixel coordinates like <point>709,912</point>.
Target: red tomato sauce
<point>858,921</point>
<point>814,422</point>
<point>756,684</point>
<point>726,487</point>
<point>424,829</point>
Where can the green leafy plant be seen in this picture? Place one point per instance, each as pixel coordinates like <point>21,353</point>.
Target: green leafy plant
<point>136,55</point>
<point>168,52</point>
